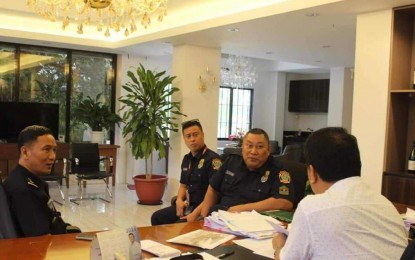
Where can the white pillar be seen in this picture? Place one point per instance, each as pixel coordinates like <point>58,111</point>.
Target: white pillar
<point>189,64</point>
<point>340,98</point>
<point>373,45</point>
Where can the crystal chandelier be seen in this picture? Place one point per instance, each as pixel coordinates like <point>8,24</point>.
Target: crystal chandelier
<point>238,72</point>
<point>111,15</point>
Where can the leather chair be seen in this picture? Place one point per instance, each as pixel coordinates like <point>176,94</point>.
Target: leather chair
<point>57,174</point>
<point>294,152</point>
<point>85,164</point>
<point>7,228</point>
<point>298,172</point>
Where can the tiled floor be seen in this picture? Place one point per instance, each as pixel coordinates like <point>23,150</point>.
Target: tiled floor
<point>95,215</point>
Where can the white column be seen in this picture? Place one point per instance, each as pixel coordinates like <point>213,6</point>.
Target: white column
<point>189,64</point>
<point>373,44</point>
<point>340,98</point>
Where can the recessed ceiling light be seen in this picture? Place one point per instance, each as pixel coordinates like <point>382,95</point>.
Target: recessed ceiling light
<point>233,30</point>
<point>326,46</point>
<point>269,52</point>
<point>312,14</point>
<point>318,61</point>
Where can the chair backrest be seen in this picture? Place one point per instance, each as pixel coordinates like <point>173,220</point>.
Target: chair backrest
<point>7,228</point>
<point>294,152</point>
<point>275,148</point>
<point>298,172</point>
<point>88,156</point>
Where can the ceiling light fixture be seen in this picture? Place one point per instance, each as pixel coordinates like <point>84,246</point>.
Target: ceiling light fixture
<point>113,15</point>
<point>233,30</point>
<point>238,72</point>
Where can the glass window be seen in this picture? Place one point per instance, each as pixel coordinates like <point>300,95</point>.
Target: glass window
<point>88,81</point>
<point>43,79</point>
<point>51,75</point>
<point>8,65</point>
<point>235,111</point>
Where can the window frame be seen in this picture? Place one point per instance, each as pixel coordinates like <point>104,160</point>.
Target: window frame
<point>231,110</point>
<point>68,75</point>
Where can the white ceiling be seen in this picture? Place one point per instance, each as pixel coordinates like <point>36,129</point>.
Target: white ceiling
<point>277,30</point>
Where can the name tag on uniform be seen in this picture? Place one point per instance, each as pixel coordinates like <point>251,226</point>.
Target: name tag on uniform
<point>229,173</point>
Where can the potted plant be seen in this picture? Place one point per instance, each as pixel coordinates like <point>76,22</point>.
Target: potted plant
<point>96,115</point>
<point>148,115</point>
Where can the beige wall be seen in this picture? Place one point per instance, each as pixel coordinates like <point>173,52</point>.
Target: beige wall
<point>189,63</point>
<point>370,92</point>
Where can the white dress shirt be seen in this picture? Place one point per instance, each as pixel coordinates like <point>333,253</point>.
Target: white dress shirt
<point>348,221</point>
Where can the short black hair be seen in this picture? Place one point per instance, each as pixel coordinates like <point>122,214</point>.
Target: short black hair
<point>333,153</point>
<point>258,131</point>
<point>190,123</point>
<point>30,134</point>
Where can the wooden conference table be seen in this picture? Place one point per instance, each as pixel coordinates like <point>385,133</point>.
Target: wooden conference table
<point>67,247</point>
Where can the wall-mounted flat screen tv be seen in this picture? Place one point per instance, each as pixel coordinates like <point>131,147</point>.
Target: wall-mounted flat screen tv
<point>15,116</point>
<point>309,96</point>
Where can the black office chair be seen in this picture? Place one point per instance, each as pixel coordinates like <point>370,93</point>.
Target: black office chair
<point>58,173</point>
<point>7,228</point>
<point>298,172</point>
<point>85,164</point>
<point>294,152</point>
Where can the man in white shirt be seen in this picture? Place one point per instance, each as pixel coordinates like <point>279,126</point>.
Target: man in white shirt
<point>345,219</point>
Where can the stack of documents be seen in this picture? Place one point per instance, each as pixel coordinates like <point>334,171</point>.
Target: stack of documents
<point>248,224</point>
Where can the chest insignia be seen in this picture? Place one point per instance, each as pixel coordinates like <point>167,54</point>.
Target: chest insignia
<point>229,173</point>
<point>216,163</point>
<point>201,162</point>
<point>284,177</point>
<point>30,182</point>
<point>284,190</point>
<point>265,177</point>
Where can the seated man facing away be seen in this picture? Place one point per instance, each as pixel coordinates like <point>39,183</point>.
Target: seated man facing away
<point>30,203</point>
<point>198,166</point>
<point>250,182</point>
<point>345,219</point>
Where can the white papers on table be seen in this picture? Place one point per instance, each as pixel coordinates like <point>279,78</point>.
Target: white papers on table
<point>159,249</point>
<point>260,247</point>
<point>249,224</point>
<point>202,238</point>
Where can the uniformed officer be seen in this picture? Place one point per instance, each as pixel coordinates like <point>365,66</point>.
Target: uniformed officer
<point>198,166</point>
<point>30,203</point>
<point>250,182</point>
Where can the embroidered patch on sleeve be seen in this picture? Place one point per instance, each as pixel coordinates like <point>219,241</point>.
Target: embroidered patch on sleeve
<point>216,163</point>
<point>284,190</point>
<point>285,177</point>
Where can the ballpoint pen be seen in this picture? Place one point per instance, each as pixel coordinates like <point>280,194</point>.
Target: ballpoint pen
<point>225,254</point>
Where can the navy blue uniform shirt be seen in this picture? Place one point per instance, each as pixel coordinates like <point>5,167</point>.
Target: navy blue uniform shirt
<point>238,185</point>
<point>31,205</point>
<point>197,171</point>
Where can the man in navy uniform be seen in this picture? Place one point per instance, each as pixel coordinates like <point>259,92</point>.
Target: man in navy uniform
<point>30,203</point>
<point>250,182</point>
<point>198,166</point>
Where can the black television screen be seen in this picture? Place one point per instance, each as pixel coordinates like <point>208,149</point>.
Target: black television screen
<point>15,116</point>
<point>309,95</point>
